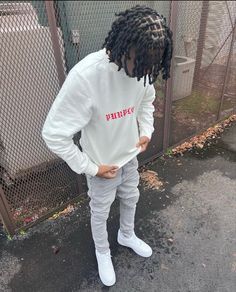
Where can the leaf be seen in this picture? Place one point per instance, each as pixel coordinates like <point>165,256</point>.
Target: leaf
<point>22,232</point>
<point>64,212</point>
<point>150,180</point>
<point>9,237</point>
<point>199,140</point>
<point>169,152</point>
<point>28,219</point>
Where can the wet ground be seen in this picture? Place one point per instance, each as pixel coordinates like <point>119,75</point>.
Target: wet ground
<point>190,224</point>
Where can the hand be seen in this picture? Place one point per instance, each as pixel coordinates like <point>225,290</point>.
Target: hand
<point>143,143</point>
<point>107,171</point>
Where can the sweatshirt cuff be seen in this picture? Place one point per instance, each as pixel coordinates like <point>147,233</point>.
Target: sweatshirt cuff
<point>146,133</point>
<point>91,169</point>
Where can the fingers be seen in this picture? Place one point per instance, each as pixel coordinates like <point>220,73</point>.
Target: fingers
<point>109,171</point>
<point>113,171</point>
<point>109,174</point>
<point>112,175</point>
<point>112,168</point>
<point>143,146</point>
<point>143,143</point>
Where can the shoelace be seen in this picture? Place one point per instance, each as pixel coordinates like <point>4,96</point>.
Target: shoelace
<point>140,242</point>
<point>106,258</point>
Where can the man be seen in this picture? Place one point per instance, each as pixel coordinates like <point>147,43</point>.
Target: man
<point>107,98</point>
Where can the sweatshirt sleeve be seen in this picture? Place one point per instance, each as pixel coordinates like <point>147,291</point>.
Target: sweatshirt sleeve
<point>70,112</point>
<point>145,113</point>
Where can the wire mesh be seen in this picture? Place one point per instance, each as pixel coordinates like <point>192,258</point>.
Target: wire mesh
<point>229,102</point>
<point>203,36</point>
<point>85,26</point>
<point>229,92</point>
<point>34,180</point>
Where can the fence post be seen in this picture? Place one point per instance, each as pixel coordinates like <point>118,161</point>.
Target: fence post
<point>201,40</point>
<point>55,41</point>
<point>169,83</point>
<point>58,55</point>
<point>227,71</point>
<point>6,214</point>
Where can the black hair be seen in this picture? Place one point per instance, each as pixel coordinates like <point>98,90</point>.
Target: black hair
<point>144,29</point>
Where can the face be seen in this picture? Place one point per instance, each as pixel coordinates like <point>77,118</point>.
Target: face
<point>153,55</point>
<point>129,62</point>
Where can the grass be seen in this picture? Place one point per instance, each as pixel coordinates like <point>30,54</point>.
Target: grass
<point>197,103</point>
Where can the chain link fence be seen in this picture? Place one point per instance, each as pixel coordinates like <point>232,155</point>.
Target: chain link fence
<point>40,41</point>
<point>204,77</point>
<point>33,179</point>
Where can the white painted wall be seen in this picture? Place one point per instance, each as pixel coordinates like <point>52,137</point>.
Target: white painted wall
<point>188,24</point>
<point>218,27</point>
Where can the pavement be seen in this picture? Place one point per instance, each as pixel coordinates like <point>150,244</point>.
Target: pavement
<point>190,224</point>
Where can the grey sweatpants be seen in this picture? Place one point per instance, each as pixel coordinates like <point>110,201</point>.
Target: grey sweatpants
<point>103,192</point>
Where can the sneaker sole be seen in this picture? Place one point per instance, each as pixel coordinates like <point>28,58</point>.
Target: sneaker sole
<point>108,284</point>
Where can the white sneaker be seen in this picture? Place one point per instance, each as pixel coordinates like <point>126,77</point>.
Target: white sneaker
<point>136,244</point>
<point>105,268</point>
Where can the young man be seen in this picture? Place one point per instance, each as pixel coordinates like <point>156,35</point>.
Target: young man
<point>107,98</point>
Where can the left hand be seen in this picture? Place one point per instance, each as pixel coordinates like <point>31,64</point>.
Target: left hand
<point>143,143</point>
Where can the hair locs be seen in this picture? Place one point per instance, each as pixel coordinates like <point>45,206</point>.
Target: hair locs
<point>144,29</point>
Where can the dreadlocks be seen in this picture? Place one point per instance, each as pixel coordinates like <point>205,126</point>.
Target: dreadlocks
<point>145,30</point>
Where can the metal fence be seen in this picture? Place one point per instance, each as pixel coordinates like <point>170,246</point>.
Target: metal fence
<point>40,41</point>
<point>204,33</point>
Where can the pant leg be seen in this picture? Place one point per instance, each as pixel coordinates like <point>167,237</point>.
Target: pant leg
<point>102,193</point>
<point>128,193</point>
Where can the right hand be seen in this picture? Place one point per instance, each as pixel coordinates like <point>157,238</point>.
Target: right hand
<point>107,171</point>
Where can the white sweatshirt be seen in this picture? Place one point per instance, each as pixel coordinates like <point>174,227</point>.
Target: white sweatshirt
<point>111,109</point>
